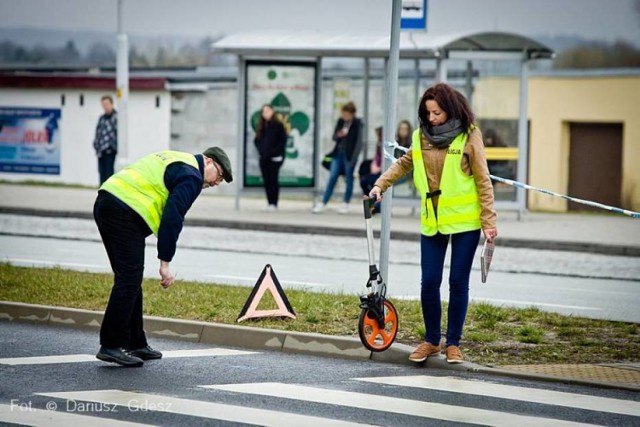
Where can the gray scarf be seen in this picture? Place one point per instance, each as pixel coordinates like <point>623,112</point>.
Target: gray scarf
<point>442,136</point>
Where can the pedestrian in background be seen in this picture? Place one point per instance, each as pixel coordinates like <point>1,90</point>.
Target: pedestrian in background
<point>106,140</point>
<point>403,137</point>
<point>151,195</point>
<point>270,140</point>
<point>370,170</point>
<point>348,143</point>
<point>451,174</point>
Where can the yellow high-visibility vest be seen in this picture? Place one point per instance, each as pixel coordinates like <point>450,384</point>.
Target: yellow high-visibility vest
<point>458,203</point>
<point>141,184</point>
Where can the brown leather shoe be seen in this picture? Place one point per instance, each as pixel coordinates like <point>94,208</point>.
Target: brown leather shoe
<point>423,351</point>
<point>454,355</point>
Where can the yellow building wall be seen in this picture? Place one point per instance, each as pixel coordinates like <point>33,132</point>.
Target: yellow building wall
<point>553,103</point>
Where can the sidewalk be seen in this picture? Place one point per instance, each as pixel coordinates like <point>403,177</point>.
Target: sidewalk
<point>593,233</point>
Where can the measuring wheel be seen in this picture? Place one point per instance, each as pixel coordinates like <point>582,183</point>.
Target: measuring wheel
<point>378,323</point>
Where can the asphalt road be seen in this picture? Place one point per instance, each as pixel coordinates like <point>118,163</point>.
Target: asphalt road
<point>598,286</point>
<point>264,388</point>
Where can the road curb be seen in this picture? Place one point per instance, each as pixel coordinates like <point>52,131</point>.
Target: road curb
<point>266,339</point>
<point>596,248</point>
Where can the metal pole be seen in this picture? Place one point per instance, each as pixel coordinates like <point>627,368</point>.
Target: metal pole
<point>242,76</point>
<point>441,70</point>
<point>122,91</point>
<point>365,108</point>
<point>317,131</point>
<point>523,135</point>
<point>469,81</point>
<point>416,89</point>
<point>391,95</point>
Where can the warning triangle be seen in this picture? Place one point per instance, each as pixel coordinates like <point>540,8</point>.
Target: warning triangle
<point>267,282</point>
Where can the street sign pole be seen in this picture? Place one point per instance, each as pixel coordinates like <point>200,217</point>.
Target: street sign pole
<point>122,91</point>
<point>390,100</point>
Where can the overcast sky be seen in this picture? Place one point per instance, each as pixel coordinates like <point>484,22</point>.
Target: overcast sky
<point>593,19</point>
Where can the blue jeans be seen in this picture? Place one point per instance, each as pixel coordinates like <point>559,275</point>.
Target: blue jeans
<point>433,250</point>
<point>340,165</point>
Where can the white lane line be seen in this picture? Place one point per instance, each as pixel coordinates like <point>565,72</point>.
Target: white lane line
<point>535,304</point>
<point>243,279</point>
<point>78,358</point>
<point>394,405</point>
<point>197,408</point>
<point>42,418</point>
<point>533,395</point>
<point>53,263</point>
<point>43,360</point>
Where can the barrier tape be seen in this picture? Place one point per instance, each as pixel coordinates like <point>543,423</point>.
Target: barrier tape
<point>524,186</point>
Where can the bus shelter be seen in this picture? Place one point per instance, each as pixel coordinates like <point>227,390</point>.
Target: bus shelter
<point>285,69</point>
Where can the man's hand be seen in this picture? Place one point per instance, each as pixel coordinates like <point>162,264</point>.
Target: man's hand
<point>166,277</point>
<point>376,193</point>
<point>490,234</point>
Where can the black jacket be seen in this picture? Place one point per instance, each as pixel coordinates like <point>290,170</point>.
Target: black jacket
<point>352,143</point>
<point>273,140</point>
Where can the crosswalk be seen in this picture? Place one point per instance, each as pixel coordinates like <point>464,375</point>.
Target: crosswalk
<point>284,404</point>
<point>78,358</point>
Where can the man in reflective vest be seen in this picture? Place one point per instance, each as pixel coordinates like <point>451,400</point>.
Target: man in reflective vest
<point>151,195</point>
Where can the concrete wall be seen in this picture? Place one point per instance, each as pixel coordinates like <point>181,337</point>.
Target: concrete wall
<point>148,128</point>
<point>554,102</point>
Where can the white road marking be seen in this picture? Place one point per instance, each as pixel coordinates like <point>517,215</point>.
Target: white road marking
<point>197,408</point>
<point>29,416</point>
<point>243,279</point>
<point>533,395</point>
<point>390,404</point>
<point>534,304</point>
<point>77,358</point>
<point>52,263</point>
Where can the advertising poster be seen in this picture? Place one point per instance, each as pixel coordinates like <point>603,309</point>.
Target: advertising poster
<point>290,89</point>
<point>30,140</point>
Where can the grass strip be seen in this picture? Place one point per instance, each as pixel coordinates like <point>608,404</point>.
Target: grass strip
<point>493,335</point>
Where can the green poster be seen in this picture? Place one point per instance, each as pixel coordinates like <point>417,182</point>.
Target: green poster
<point>290,89</point>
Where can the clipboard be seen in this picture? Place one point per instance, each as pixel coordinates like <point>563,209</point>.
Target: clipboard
<point>485,259</point>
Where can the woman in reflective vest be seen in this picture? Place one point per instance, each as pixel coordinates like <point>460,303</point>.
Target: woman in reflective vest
<point>450,172</point>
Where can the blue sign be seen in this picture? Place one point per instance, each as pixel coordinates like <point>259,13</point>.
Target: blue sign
<point>414,15</point>
<point>30,140</point>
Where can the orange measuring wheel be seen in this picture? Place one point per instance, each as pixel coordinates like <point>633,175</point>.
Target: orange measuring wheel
<point>378,323</point>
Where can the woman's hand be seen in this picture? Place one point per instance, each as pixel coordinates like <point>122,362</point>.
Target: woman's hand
<point>376,193</point>
<point>490,234</point>
<point>167,278</point>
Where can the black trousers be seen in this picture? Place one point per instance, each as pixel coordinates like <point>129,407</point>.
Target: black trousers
<point>123,233</point>
<point>270,172</point>
<point>105,166</point>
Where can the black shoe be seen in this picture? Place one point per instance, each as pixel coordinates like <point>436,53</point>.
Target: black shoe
<point>119,356</point>
<point>146,353</point>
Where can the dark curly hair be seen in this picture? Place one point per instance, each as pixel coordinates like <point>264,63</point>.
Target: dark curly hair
<point>450,101</point>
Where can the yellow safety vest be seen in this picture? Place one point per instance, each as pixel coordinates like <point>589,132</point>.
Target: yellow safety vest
<point>141,184</point>
<point>458,204</point>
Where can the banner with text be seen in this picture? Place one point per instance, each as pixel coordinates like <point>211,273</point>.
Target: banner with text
<point>290,88</point>
<point>30,140</point>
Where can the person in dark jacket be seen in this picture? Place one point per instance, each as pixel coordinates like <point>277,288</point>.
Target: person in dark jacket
<point>105,142</point>
<point>270,140</point>
<point>152,195</point>
<point>347,136</point>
